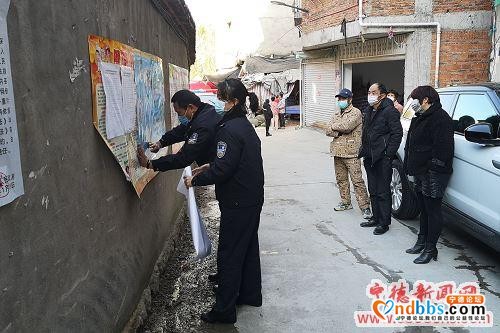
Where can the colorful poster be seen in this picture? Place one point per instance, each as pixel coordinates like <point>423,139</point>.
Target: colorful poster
<point>11,177</point>
<point>141,108</point>
<point>178,79</point>
<point>150,98</point>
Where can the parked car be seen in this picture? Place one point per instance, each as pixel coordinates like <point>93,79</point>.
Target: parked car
<point>472,199</point>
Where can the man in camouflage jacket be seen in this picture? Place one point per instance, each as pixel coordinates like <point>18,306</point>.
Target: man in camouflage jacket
<point>345,128</point>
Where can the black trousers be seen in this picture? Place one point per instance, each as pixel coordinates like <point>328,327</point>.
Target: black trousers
<point>379,185</point>
<point>431,218</point>
<point>268,124</point>
<point>282,119</point>
<point>238,259</point>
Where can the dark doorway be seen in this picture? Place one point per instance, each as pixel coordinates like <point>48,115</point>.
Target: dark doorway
<point>390,73</point>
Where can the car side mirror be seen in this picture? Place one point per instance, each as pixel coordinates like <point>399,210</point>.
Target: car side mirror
<point>481,133</point>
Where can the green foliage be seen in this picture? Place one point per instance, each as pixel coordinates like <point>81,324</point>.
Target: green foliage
<point>205,53</point>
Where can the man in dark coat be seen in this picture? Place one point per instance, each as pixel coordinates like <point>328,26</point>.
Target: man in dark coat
<point>268,114</point>
<point>198,123</point>
<point>382,135</point>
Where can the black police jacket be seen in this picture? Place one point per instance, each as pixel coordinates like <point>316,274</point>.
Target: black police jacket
<point>198,137</point>
<point>430,142</point>
<point>382,132</point>
<point>237,170</point>
<point>268,114</point>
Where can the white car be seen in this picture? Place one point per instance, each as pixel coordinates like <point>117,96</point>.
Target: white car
<point>472,199</point>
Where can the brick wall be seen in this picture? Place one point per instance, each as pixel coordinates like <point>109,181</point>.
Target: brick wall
<point>329,13</point>
<point>448,6</point>
<point>391,7</point>
<point>464,57</point>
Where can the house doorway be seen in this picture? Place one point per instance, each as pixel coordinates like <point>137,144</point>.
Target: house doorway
<point>360,76</point>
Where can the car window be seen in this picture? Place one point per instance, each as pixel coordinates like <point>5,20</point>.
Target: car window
<point>447,101</point>
<point>472,109</point>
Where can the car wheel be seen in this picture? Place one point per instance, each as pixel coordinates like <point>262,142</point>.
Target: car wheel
<point>404,200</point>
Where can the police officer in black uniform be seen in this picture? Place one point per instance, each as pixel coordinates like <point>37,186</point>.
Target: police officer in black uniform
<point>238,175</point>
<point>197,129</point>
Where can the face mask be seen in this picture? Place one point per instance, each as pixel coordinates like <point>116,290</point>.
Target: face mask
<point>219,107</point>
<point>342,104</point>
<point>183,120</point>
<point>372,99</point>
<point>228,106</point>
<point>415,105</point>
<point>391,98</point>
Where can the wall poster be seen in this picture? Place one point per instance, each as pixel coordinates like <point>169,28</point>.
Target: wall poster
<point>178,80</point>
<point>11,177</point>
<point>128,103</point>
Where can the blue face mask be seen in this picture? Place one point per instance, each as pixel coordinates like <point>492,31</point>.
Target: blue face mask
<point>218,105</point>
<point>183,120</point>
<point>342,104</point>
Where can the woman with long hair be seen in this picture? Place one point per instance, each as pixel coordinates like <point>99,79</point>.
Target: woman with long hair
<point>429,154</point>
<point>254,103</point>
<point>238,175</point>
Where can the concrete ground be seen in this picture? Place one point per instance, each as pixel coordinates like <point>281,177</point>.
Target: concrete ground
<point>316,263</point>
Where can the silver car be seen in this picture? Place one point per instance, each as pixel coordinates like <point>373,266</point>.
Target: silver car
<point>472,199</point>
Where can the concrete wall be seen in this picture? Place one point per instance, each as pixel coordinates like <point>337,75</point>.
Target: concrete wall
<point>81,262</point>
<point>280,34</point>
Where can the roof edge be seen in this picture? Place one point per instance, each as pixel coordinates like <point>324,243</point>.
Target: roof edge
<point>178,17</point>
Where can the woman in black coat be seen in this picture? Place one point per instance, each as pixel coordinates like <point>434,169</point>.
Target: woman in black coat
<point>238,174</point>
<point>429,154</point>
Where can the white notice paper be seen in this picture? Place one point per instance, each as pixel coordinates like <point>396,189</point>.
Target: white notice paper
<point>201,241</point>
<point>129,95</point>
<point>11,177</point>
<point>110,74</point>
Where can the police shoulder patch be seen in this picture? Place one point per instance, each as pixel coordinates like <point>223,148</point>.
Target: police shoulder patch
<point>193,138</point>
<point>221,149</point>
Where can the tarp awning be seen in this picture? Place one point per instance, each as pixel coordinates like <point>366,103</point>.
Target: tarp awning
<point>274,82</point>
<point>257,64</point>
<point>231,73</point>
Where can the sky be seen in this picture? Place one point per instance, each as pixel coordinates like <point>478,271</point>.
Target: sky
<point>213,11</point>
<point>244,34</point>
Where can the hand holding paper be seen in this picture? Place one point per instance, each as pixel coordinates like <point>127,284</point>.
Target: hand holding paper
<point>187,181</point>
<point>201,241</point>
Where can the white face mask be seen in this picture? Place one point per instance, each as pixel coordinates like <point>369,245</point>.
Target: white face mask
<point>391,98</point>
<point>372,99</point>
<point>415,105</point>
<point>228,105</point>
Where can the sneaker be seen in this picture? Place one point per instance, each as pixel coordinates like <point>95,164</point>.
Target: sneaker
<point>342,206</point>
<point>367,213</point>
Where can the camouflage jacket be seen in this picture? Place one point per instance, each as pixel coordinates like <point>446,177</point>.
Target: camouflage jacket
<point>346,129</point>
